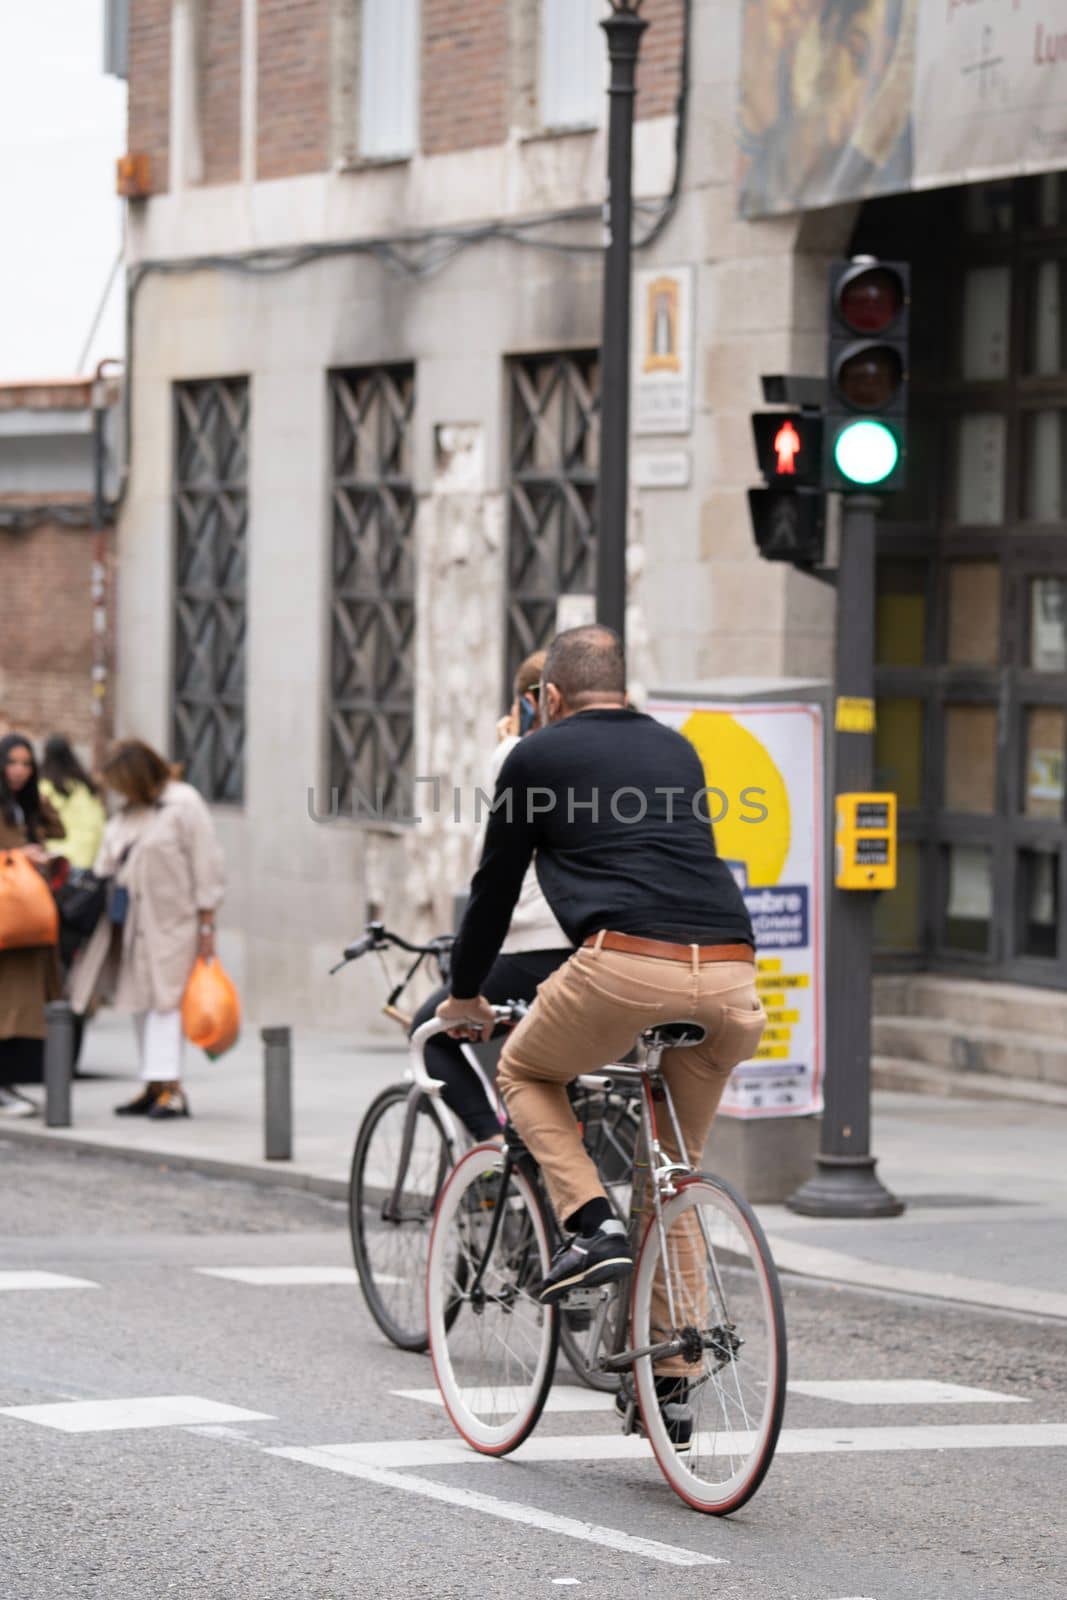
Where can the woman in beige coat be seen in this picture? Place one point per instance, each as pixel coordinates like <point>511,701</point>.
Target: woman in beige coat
<point>163,857</point>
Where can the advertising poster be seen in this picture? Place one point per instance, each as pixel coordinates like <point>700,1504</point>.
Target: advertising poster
<point>846,99</point>
<point>763,767</point>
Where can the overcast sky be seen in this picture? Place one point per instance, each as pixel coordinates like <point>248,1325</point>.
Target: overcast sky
<point>62,126</point>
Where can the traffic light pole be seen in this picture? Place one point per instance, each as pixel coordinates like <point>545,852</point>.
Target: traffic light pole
<point>624,30</point>
<point>845,1184</point>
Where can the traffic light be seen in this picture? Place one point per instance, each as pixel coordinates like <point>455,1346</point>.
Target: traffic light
<point>789,524</point>
<point>865,440</point>
<point>788,446</point>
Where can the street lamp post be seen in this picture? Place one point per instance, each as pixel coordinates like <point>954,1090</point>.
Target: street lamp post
<point>624,29</point>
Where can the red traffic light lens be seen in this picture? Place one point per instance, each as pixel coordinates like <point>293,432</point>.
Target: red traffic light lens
<point>870,376</point>
<point>871,300</point>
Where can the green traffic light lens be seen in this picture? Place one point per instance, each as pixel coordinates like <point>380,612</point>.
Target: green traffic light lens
<point>866,452</point>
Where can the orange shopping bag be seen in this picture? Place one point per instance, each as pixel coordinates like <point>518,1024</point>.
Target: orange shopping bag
<point>28,913</point>
<point>211,1011</point>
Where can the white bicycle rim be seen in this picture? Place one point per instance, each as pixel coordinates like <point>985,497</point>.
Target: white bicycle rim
<point>493,1363</point>
<point>736,1410</point>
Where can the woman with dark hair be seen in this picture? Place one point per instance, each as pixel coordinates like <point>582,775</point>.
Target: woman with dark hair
<point>28,978</point>
<point>65,783</point>
<point>162,855</point>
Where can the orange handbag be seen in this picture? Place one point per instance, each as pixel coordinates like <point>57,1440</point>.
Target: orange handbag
<point>28,913</point>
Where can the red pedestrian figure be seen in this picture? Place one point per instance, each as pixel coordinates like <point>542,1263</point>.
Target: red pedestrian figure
<point>787,448</point>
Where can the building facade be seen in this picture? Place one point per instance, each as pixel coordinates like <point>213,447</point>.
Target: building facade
<point>364,287</point>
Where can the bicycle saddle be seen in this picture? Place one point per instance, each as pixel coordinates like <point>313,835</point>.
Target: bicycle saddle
<point>669,1035</point>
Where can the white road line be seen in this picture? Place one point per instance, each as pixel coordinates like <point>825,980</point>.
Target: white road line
<point>400,1453</point>
<point>507,1510</point>
<point>11,1279</point>
<point>902,1392</point>
<point>146,1411</point>
<point>560,1398</point>
<point>282,1276</point>
<point>817,1262</point>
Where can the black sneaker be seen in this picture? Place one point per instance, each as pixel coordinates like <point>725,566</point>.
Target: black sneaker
<point>169,1102</point>
<point>677,1413</point>
<point>141,1105</point>
<point>598,1258</point>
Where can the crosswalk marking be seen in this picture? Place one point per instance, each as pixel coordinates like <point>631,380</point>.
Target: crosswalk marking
<point>265,1276</point>
<point>901,1392</point>
<point>507,1510</point>
<point>145,1411</point>
<point>406,1453</point>
<point>11,1278</point>
<point>560,1398</point>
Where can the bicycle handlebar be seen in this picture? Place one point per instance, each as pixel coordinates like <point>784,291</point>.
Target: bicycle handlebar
<point>379,937</point>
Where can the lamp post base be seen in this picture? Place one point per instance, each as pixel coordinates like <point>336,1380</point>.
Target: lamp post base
<point>844,1186</point>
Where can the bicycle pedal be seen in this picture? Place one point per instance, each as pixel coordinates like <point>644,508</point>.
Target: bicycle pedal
<point>581,1299</point>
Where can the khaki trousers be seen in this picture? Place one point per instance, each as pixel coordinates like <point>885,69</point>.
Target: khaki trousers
<point>589,1013</point>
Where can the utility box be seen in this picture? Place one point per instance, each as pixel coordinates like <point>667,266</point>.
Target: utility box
<point>865,841</point>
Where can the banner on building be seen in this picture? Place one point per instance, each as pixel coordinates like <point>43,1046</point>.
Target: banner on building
<point>662,344</point>
<point>845,99</point>
<point>763,766</point>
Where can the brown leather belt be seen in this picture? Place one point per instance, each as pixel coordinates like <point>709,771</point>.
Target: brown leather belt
<point>631,945</point>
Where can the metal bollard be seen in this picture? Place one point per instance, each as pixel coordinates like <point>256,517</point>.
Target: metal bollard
<point>58,1063</point>
<point>277,1093</point>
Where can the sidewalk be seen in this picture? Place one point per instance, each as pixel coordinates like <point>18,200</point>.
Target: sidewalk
<point>986,1222</point>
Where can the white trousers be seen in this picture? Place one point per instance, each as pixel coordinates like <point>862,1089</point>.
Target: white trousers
<point>160,1042</point>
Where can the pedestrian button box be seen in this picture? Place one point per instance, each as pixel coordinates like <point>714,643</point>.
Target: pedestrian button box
<point>866,841</point>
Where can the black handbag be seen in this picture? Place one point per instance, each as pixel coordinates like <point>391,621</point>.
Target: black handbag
<point>82,901</point>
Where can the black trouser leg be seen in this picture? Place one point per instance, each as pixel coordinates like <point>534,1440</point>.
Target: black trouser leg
<point>512,977</point>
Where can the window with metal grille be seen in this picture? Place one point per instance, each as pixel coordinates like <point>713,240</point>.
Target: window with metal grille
<point>210,596</point>
<point>555,448</point>
<point>372,609</point>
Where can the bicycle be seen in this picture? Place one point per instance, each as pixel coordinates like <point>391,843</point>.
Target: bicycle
<point>704,1291</point>
<point>408,1142</point>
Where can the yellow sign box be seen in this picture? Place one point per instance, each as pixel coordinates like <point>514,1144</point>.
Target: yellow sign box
<point>866,841</point>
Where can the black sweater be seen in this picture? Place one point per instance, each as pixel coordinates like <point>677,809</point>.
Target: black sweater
<point>615,849</point>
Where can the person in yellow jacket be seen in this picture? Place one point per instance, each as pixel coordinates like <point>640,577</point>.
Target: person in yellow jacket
<point>65,783</point>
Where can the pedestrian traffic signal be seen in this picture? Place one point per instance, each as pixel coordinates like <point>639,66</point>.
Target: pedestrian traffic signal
<point>788,446</point>
<point>789,524</point>
<point>867,362</point>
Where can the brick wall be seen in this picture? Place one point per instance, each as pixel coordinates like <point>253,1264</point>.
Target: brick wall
<point>465,74</point>
<point>219,46</point>
<point>46,638</point>
<point>661,53</point>
<point>293,91</point>
<point>149,85</point>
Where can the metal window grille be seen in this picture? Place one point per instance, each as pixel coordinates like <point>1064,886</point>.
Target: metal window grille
<point>555,447</point>
<point>211,520</point>
<point>372,647</point>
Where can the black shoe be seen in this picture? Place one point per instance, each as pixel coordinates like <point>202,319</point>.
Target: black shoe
<point>142,1105</point>
<point>677,1413</point>
<point>169,1102</point>
<point>599,1258</point>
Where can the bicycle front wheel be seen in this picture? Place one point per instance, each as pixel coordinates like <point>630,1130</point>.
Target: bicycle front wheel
<point>401,1159</point>
<point>492,1342</point>
<point>706,1285</point>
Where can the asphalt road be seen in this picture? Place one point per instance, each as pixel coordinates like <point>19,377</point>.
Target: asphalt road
<point>193,1505</point>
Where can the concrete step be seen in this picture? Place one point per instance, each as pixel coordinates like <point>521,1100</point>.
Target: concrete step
<point>1013,1007</point>
<point>971,1049</point>
<point>916,1077</point>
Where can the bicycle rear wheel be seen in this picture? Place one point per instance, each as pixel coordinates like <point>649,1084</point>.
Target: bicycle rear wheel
<point>390,1221</point>
<point>493,1344</point>
<point>728,1316</point>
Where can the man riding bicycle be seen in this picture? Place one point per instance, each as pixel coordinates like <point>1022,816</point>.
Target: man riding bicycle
<point>612,807</point>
